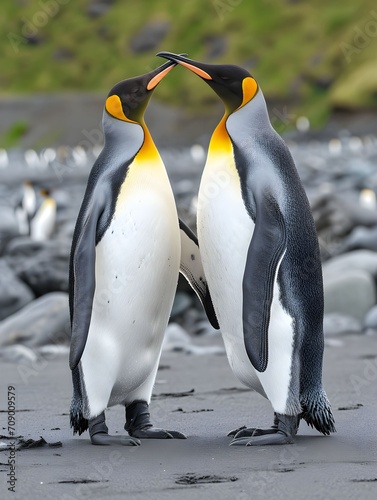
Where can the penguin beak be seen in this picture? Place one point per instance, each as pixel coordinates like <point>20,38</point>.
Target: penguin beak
<point>194,66</point>
<point>158,74</point>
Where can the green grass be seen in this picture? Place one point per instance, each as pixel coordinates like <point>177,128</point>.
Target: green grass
<point>290,47</point>
<point>14,134</point>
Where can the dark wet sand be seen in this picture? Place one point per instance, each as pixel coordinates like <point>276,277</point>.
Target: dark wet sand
<point>341,466</point>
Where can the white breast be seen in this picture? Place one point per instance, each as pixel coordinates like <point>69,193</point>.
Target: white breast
<point>137,264</point>
<point>225,230</point>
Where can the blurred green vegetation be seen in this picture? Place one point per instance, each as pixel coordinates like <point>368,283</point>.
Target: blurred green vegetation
<point>314,56</point>
<point>14,134</point>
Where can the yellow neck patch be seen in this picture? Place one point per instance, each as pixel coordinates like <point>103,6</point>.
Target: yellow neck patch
<point>249,89</point>
<point>220,140</point>
<point>114,107</point>
<point>148,151</point>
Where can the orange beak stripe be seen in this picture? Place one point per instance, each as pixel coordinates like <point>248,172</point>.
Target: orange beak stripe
<point>156,79</point>
<point>196,70</point>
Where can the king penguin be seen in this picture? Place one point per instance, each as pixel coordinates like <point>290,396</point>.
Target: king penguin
<point>125,258</point>
<point>42,225</point>
<point>26,207</point>
<point>260,254</point>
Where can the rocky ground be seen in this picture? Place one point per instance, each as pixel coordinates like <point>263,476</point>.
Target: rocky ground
<point>341,181</point>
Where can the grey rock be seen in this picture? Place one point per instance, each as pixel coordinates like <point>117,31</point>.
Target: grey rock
<point>215,46</point>
<point>370,321</point>
<point>42,265</point>
<point>363,260</point>
<point>177,339</point>
<point>361,237</point>
<point>98,8</point>
<point>340,324</point>
<point>351,292</point>
<point>341,213</point>
<point>149,36</point>
<point>18,354</point>
<point>182,302</point>
<point>43,321</point>
<point>14,294</point>
<point>8,226</point>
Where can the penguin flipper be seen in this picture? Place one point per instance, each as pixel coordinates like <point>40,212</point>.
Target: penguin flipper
<point>192,269</point>
<point>266,249</point>
<point>82,276</point>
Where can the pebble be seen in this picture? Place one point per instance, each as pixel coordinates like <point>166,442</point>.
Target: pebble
<point>340,178</point>
<point>370,321</point>
<point>43,321</point>
<point>18,354</point>
<point>352,292</point>
<point>14,293</point>
<point>358,260</point>
<point>177,339</point>
<point>42,265</point>
<point>335,324</point>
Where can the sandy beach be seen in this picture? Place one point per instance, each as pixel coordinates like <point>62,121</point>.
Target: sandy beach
<point>199,396</point>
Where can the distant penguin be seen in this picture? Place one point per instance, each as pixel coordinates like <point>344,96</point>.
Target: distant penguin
<point>261,258</point>
<point>127,250</point>
<point>42,225</point>
<point>26,207</point>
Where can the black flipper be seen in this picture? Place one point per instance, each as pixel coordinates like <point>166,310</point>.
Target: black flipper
<point>267,247</point>
<point>82,275</point>
<point>192,269</point>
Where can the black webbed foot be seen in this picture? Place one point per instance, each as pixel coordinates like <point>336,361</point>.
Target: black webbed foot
<point>282,433</point>
<point>99,434</point>
<point>138,423</point>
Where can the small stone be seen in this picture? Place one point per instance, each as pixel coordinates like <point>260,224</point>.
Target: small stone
<point>18,354</point>
<point>361,237</point>
<point>149,37</point>
<point>340,324</point>
<point>8,226</point>
<point>182,302</point>
<point>14,294</point>
<point>42,265</point>
<point>44,321</point>
<point>352,292</point>
<point>98,8</point>
<point>370,321</point>
<point>363,260</point>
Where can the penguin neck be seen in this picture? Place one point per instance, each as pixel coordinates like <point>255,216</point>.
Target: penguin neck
<point>148,151</point>
<point>220,143</point>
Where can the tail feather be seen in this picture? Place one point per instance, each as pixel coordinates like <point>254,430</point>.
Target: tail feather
<point>77,420</point>
<point>317,413</point>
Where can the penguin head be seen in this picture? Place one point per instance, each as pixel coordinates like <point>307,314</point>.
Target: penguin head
<point>233,84</point>
<point>128,99</point>
<point>44,192</point>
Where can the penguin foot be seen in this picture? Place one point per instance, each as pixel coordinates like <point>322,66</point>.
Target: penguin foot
<point>282,432</point>
<point>234,432</point>
<point>254,431</point>
<point>104,439</point>
<point>152,433</point>
<point>263,440</point>
<point>138,423</point>
<point>99,434</point>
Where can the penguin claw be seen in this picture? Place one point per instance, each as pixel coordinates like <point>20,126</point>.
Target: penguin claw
<point>254,431</point>
<point>103,439</point>
<point>263,440</point>
<point>236,431</point>
<point>152,433</point>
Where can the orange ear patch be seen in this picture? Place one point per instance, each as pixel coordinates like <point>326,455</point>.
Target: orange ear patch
<point>114,107</point>
<point>249,89</point>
